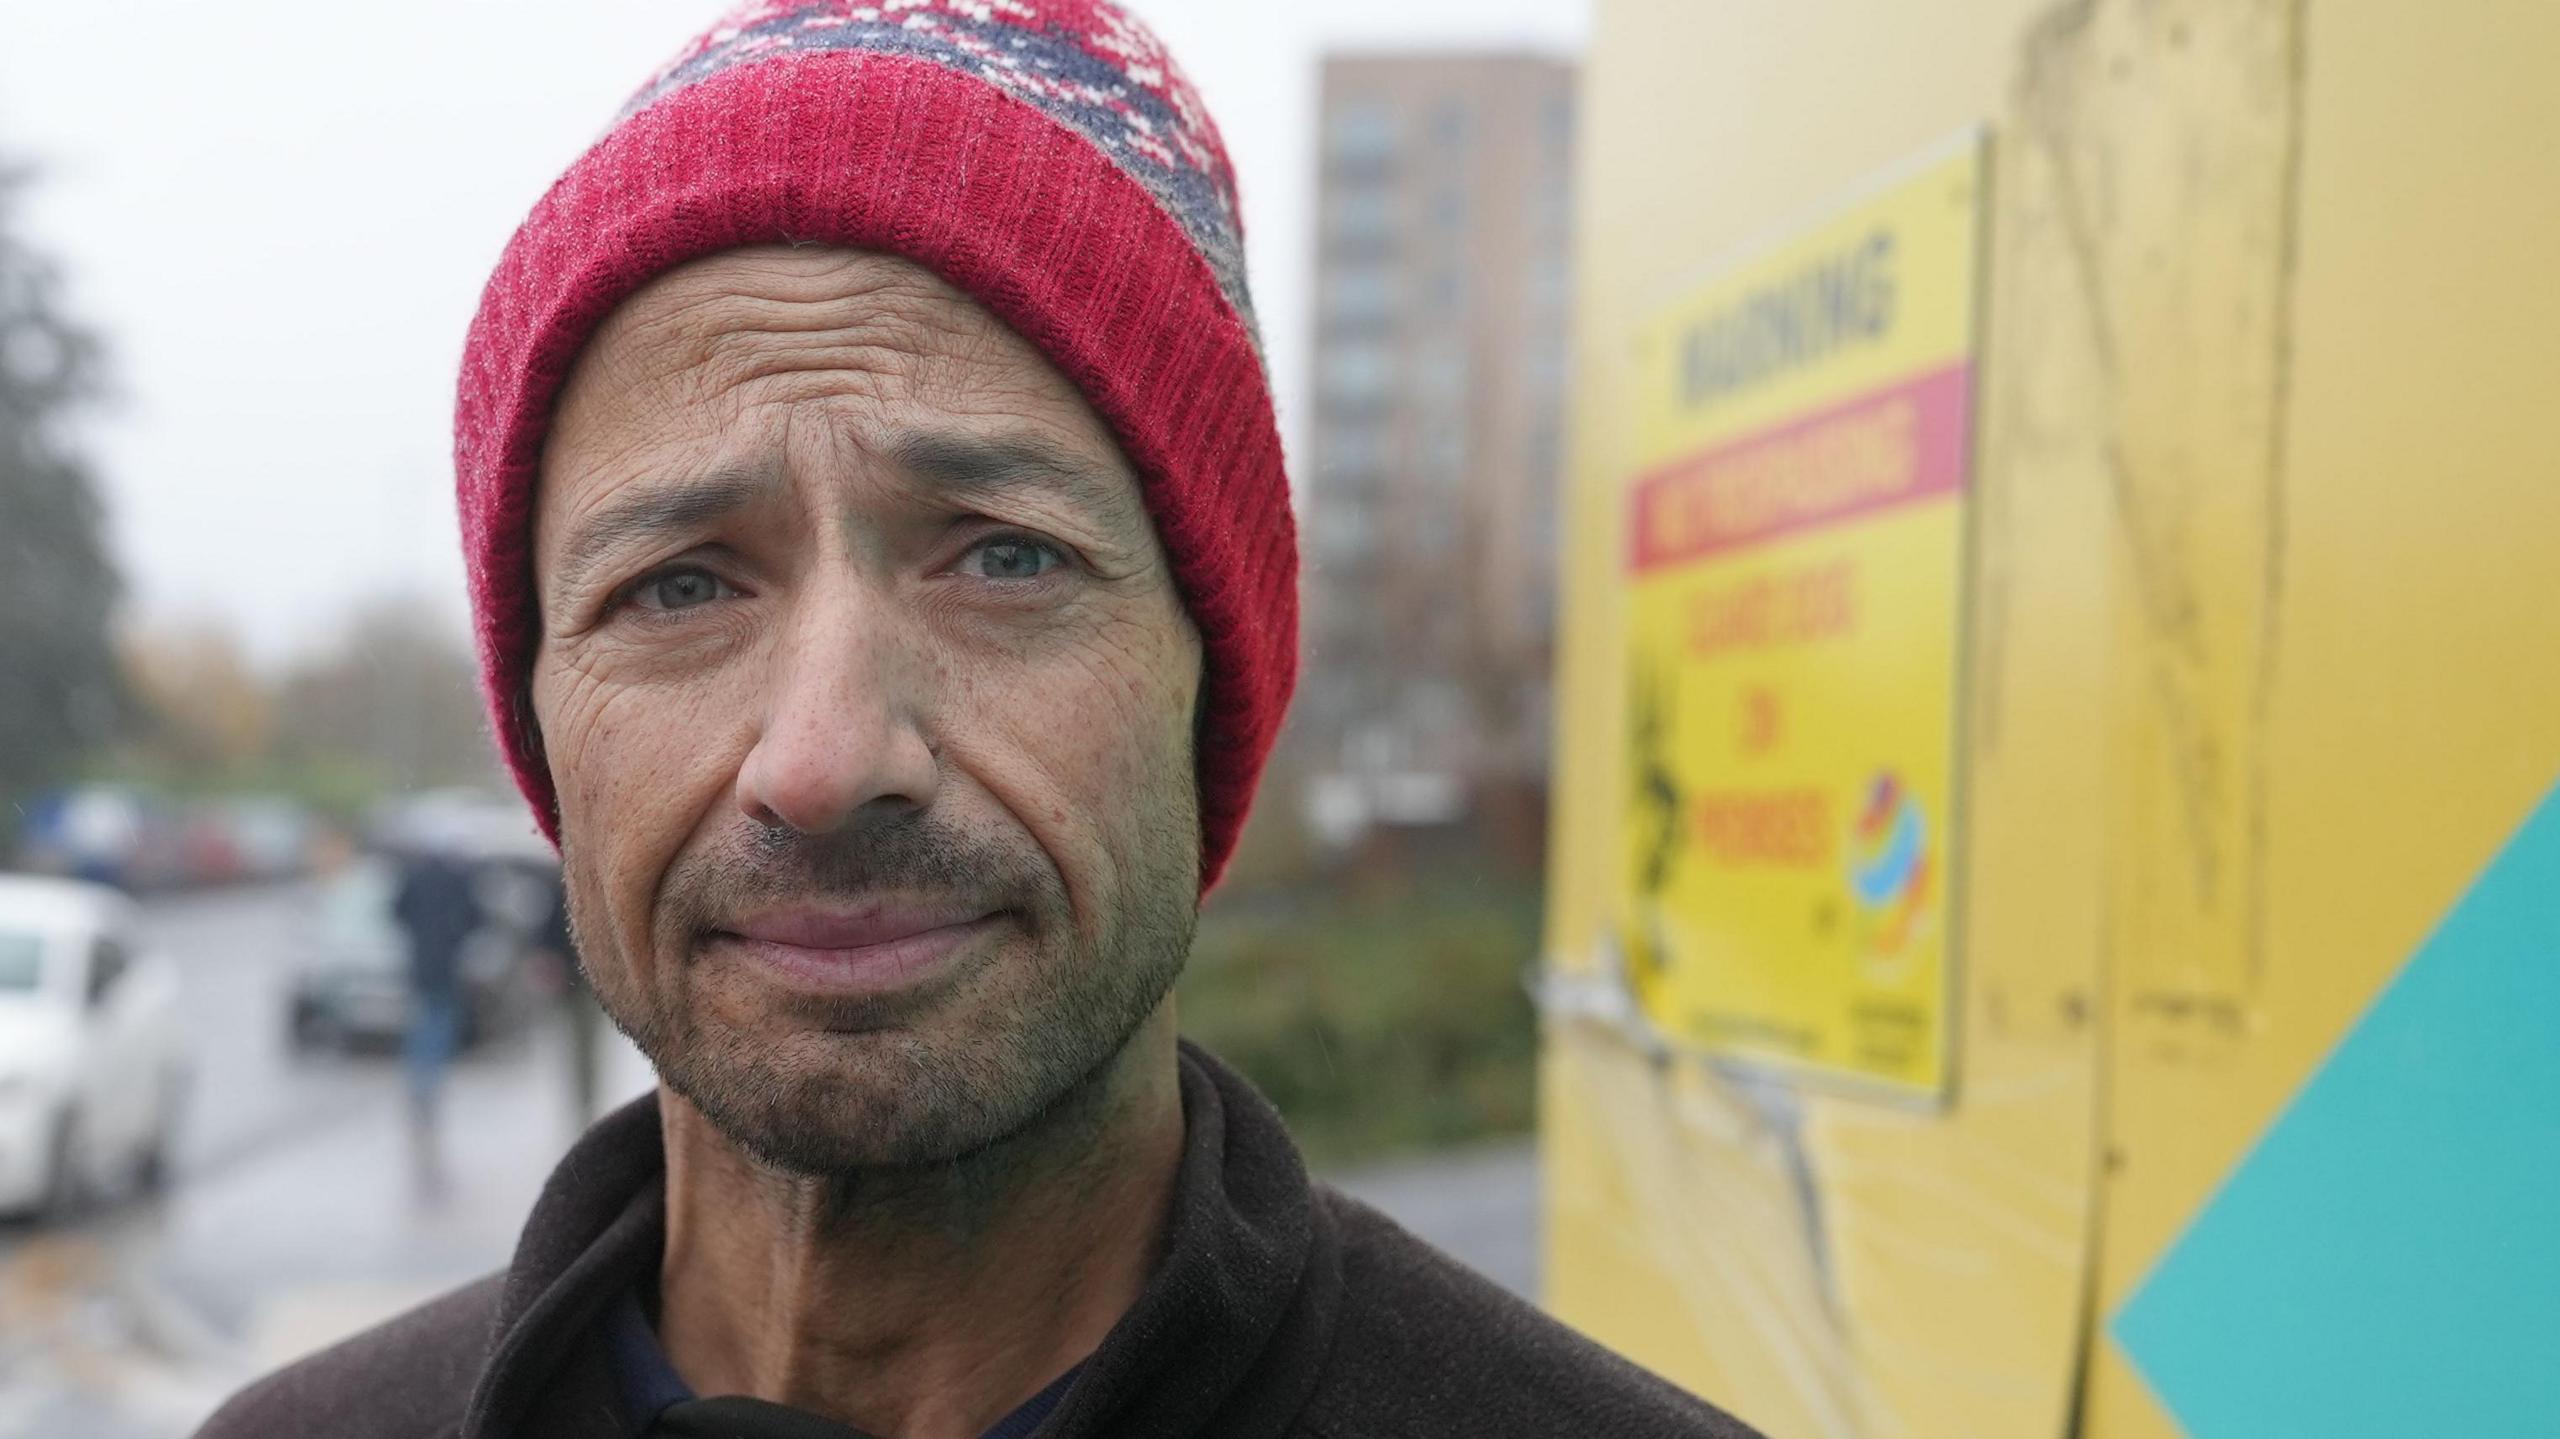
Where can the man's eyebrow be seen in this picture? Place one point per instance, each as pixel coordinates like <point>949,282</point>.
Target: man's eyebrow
<point>979,466</point>
<point>653,510</point>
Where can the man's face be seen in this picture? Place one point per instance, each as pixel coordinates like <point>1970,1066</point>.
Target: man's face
<point>867,694</point>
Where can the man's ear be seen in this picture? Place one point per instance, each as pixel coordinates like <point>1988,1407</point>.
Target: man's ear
<point>528,736</point>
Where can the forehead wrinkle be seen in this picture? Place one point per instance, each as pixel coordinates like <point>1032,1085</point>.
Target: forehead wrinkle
<point>862,312</point>
<point>904,372</point>
<point>873,368</point>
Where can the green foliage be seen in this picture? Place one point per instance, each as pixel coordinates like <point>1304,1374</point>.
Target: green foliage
<point>332,788</point>
<point>1379,1022</point>
<point>58,685</point>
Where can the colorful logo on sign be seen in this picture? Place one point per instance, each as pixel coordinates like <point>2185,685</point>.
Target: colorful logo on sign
<point>1889,867</point>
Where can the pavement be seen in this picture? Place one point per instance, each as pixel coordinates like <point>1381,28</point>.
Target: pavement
<point>295,1217</point>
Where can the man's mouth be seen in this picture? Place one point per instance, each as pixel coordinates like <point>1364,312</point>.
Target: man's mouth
<point>871,948</point>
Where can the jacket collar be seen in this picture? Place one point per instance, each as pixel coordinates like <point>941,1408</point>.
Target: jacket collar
<point>1231,1327</point>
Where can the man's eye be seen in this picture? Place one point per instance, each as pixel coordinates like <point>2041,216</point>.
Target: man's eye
<point>1011,559</point>
<point>679,590</point>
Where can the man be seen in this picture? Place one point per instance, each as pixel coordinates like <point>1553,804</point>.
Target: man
<point>886,589</point>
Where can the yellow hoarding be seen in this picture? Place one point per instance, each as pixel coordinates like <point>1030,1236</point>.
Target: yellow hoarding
<point>1795,564</point>
<point>2251,1128</point>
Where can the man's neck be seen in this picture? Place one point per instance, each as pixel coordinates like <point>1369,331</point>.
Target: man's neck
<point>922,1304</point>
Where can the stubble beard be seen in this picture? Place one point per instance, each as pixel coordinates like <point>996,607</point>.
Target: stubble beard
<point>1014,1039</point>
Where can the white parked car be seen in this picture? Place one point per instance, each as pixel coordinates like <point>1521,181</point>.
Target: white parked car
<point>90,1059</point>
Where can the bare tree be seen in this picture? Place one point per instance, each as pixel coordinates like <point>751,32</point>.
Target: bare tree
<point>395,698</point>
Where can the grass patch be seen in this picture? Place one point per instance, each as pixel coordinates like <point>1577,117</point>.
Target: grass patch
<point>1386,1021</point>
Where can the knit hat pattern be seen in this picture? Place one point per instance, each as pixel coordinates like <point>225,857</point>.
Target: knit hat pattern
<point>1046,157</point>
<point>1089,67</point>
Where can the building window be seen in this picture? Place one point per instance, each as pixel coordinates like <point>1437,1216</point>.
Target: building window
<point>1452,124</point>
<point>1344,535</point>
<point>1557,122</point>
<point>1360,137</point>
<point>1360,292</point>
<point>1550,282</point>
<point>1357,373</point>
<point>1444,454</point>
<point>1448,209</point>
<point>1441,376</point>
<point>1354,454</point>
<point>1360,213</point>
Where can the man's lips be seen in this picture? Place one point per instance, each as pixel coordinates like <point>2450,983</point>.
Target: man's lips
<point>854,926</point>
<point>857,949</point>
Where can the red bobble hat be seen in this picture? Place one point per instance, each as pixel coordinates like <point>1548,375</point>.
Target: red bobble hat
<point>1042,155</point>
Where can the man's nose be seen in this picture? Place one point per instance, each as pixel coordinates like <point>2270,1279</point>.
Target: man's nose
<point>843,727</point>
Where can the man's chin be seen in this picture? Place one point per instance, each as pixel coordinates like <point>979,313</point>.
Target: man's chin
<point>827,1102</point>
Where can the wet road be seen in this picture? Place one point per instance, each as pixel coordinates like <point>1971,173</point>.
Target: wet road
<point>295,1218</point>
<point>291,1218</point>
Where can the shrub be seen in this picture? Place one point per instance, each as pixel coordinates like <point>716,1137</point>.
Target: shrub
<point>1378,1022</point>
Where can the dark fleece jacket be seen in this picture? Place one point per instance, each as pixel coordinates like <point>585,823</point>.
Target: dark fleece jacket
<point>1281,1310</point>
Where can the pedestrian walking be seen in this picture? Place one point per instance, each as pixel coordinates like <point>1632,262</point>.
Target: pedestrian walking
<point>438,911</point>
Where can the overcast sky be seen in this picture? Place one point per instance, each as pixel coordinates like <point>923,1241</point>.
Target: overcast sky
<point>280,212</point>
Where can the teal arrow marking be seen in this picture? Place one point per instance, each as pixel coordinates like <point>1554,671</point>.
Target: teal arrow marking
<point>2387,1260</point>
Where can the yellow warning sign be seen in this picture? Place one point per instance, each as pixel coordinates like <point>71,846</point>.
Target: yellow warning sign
<point>1795,560</point>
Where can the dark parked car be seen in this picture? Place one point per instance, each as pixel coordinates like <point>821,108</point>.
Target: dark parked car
<point>351,988</point>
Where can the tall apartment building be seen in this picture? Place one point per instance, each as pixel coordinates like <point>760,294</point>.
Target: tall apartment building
<point>1430,507</point>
